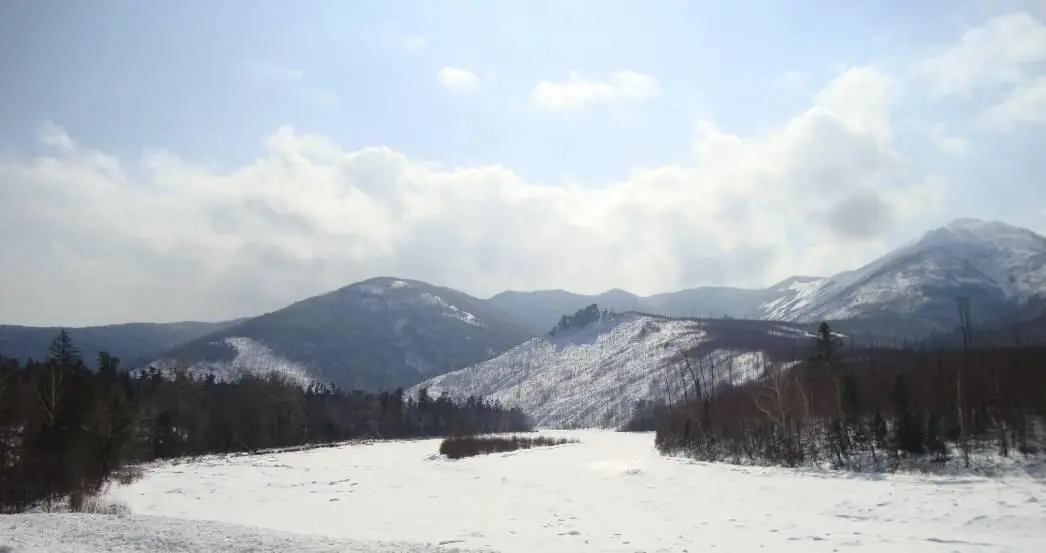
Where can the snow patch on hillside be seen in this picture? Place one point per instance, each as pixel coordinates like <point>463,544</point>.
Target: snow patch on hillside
<point>796,296</point>
<point>449,310</point>
<point>252,357</point>
<point>379,287</point>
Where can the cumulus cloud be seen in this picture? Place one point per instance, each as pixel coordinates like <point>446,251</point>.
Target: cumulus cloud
<point>414,43</point>
<point>1001,51</point>
<point>1023,105</point>
<point>578,92</point>
<point>263,70</point>
<point>456,80</point>
<point>944,140</point>
<point>791,80</point>
<point>1005,57</point>
<point>273,74</point>
<point>101,238</point>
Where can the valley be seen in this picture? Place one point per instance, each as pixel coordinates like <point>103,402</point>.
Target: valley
<point>523,277</point>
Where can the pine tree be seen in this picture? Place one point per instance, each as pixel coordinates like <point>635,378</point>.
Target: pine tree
<point>64,351</point>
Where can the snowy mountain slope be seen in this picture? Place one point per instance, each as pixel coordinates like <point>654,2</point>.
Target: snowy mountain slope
<point>251,357</point>
<point>907,292</point>
<point>593,375</point>
<point>377,334</point>
<point>790,296</point>
<point>998,266</point>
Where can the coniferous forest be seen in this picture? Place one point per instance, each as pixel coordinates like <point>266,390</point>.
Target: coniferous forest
<point>862,408</point>
<point>65,430</point>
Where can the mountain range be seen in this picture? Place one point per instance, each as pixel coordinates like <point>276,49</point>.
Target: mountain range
<point>911,290</point>
<point>134,343</point>
<point>391,332</point>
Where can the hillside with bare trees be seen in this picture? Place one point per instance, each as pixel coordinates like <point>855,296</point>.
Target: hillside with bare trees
<point>866,408</point>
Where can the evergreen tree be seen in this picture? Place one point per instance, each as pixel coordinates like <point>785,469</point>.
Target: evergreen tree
<point>64,351</point>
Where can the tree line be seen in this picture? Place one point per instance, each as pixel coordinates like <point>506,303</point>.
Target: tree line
<point>861,408</point>
<point>65,430</point>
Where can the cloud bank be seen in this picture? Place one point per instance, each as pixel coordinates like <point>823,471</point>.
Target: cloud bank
<point>160,237</point>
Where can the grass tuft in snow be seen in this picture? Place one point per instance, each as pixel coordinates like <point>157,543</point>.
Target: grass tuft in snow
<point>128,474</point>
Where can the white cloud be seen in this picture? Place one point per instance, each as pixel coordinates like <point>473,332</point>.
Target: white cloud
<point>267,72</point>
<point>323,97</point>
<point>1002,51</point>
<point>953,145</point>
<point>578,92</point>
<point>942,139</point>
<point>270,72</point>
<point>456,80</point>
<point>1023,105</point>
<point>791,80</point>
<point>866,96</point>
<point>160,237</point>
<point>54,136</point>
<point>414,43</point>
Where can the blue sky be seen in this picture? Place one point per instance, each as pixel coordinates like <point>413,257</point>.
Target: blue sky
<point>662,137</point>
<point>126,75</point>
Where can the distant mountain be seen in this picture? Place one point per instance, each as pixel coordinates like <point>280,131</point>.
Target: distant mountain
<point>133,343</point>
<point>592,375</point>
<point>996,265</point>
<point>909,292</point>
<point>378,334</point>
<point>540,310</point>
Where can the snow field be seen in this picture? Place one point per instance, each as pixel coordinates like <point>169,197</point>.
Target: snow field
<point>610,493</point>
<point>86,533</point>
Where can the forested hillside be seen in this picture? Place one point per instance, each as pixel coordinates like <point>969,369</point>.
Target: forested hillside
<point>66,430</point>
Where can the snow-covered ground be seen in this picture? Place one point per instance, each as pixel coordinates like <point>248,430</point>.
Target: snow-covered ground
<point>610,493</point>
<point>87,533</point>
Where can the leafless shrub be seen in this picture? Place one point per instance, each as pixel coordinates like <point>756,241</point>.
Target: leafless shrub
<point>468,446</point>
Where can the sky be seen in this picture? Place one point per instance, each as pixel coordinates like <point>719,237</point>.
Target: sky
<point>167,161</point>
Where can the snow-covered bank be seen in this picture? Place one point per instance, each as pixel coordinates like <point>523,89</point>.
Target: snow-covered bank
<point>86,533</point>
<point>610,493</point>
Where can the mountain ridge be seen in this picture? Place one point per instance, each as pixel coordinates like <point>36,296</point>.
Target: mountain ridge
<point>947,272</point>
<point>133,342</point>
<point>593,373</point>
<point>387,332</point>
<point>380,333</point>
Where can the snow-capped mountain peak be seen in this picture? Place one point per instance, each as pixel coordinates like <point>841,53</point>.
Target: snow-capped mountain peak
<point>995,263</point>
